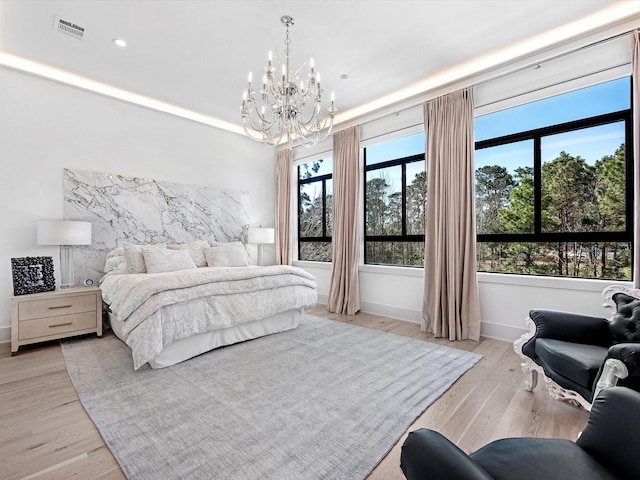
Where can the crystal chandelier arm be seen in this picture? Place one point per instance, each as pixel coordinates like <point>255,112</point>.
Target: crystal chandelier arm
<point>287,106</point>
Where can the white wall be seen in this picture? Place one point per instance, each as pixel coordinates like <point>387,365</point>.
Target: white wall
<point>505,300</point>
<point>46,127</point>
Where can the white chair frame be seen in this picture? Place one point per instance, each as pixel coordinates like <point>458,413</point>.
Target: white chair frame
<point>613,370</point>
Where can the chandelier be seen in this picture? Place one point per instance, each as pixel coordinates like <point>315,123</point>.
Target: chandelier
<point>287,106</point>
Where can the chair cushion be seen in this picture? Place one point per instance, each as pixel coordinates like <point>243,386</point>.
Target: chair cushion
<point>575,361</point>
<point>625,324</point>
<point>538,458</point>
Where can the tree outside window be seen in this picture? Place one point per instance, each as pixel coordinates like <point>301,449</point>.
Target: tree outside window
<point>315,210</point>
<point>394,202</point>
<point>557,200</point>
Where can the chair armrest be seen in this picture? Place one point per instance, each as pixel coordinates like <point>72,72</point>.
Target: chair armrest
<point>611,435</point>
<point>627,353</point>
<point>571,327</point>
<point>426,454</point>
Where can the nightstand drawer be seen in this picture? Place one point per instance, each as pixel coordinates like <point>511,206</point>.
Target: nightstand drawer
<point>52,307</point>
<point>44,327</point>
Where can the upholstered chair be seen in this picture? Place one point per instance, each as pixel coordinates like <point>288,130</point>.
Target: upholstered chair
<point>606,450</point>
<point>579,355</point>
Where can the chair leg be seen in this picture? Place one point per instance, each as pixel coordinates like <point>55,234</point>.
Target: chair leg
<point>530,376</point>
<point>528,367</point>
<point>613,371</point>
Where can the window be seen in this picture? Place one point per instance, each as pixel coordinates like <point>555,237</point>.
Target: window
<point>394,201</point>
<point>556,199</point>
<point>315,210</point>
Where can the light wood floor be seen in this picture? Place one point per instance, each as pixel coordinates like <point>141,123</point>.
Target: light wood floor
<point>45,433</point>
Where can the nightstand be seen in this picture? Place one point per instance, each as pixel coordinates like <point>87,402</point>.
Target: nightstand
<point>39,317</point>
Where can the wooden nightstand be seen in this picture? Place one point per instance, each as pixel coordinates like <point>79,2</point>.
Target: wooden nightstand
<point>51,315</point>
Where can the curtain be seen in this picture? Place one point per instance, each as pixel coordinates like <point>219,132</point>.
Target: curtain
<point>344,291</point>
<point>636,160</point>
<point>451,306</point>
<point>284,252</point>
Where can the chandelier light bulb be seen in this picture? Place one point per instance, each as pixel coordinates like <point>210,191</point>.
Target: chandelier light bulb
<point>250,77</point>
<point>286,110</point>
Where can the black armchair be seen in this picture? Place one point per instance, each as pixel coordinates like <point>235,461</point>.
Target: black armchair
<point>606,450</point>
<point>579,355</point>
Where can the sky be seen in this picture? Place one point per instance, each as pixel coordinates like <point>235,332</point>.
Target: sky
<point>591,143</point>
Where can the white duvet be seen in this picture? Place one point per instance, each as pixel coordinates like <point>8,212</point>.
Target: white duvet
<point>161,308</point>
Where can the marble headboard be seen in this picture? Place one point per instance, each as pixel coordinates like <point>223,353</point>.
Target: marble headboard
<point>145,211</point>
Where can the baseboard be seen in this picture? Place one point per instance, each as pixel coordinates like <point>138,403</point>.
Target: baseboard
<point>383,310</point>
<point>487,329</point>
<point>501,332</point>
<point>390,311</point>
<point>5,334</point>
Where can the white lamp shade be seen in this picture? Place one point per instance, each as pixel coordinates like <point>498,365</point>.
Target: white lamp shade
<point>59,232</point>
<point>262,235</point>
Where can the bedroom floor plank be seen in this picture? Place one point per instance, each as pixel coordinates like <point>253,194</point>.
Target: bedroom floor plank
<point>47,435</point>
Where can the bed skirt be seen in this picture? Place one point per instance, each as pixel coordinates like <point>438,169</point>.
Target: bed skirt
<point>190,347</point>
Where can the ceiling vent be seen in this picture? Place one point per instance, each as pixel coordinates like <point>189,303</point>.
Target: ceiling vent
<point>68,28</point>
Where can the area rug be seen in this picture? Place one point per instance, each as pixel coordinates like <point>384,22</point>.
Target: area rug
<point>327,400</point>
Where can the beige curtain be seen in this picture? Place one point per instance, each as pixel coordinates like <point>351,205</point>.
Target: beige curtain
<point>451,306</point>
<point>636,160</point>
<point>284,251</point>
<point>344,291</point>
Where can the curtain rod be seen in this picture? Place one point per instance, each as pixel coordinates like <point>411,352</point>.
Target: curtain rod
<point>517,70</point>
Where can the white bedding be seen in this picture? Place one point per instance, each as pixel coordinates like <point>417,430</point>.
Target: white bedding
<point>187,348</point>
<point>162,308</point>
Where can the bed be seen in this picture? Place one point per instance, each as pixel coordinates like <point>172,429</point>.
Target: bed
<point>168,314</point>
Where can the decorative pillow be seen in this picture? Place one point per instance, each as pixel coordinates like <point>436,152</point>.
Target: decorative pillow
<point>133,254</point>
<point>158,261</point>
<point>231,254</point>
<point>116,261</point>
<point>195,249</point>
<point>116,252</point>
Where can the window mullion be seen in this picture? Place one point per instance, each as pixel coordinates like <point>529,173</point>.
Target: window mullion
<point>537,185</point>
<point>324,208</point>
<point>403,220</point>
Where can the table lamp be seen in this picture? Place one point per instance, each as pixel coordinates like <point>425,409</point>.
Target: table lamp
<point>64,233</point>
<point>261,236</point>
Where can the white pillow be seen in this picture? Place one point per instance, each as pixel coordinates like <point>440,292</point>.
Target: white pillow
<point>133,254</point>
<point>158,261</point>
<point>195,249</point>
<point>116,252</point>
<point>231,254</point>
<point>116,261</point>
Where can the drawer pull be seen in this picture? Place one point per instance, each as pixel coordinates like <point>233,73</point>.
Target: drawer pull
<point>60,306</point>
<point>61,325</point>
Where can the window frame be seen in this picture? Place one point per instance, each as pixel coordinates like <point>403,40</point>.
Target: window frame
<point>404,237</point>
<point>536,136</point>
<point>324,238</point>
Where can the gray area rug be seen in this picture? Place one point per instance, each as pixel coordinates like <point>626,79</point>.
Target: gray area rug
<point>327,400</point>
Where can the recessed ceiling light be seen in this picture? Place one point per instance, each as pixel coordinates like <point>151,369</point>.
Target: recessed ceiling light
<point>120,42</point>
<point>344,76</point>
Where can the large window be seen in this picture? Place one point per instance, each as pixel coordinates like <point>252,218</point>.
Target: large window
<point>315,210</point>
<point>556,198</point>
<point>394,201</point>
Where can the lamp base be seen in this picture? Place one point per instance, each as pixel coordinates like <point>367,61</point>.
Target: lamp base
<point>260,254</point>
<point>67,280</point>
